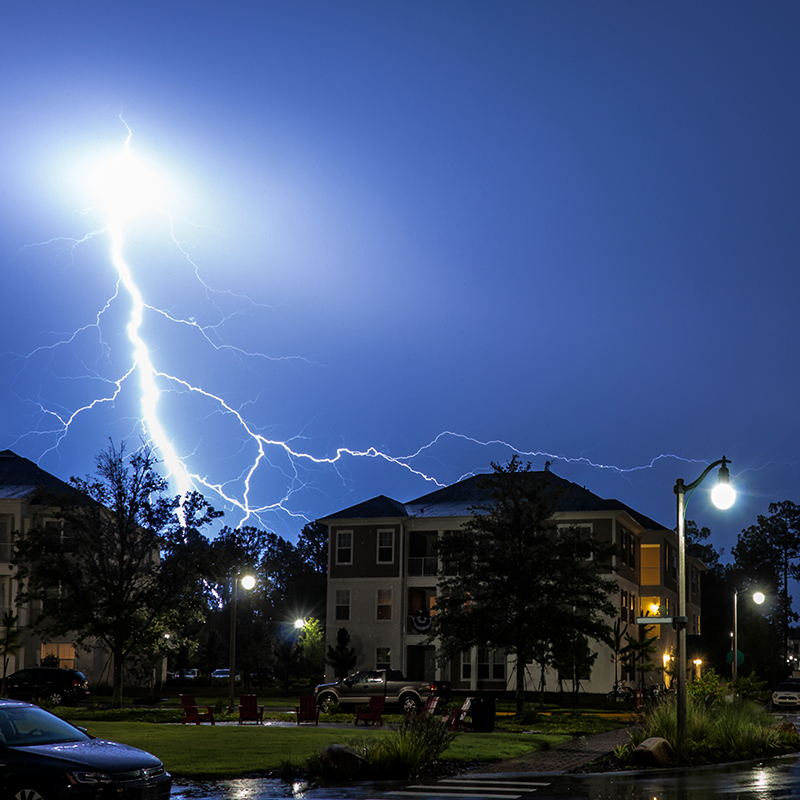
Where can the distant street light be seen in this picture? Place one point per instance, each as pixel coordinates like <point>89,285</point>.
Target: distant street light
<point>248,582</point>
<point>723,497</point>
<point>758,598</point>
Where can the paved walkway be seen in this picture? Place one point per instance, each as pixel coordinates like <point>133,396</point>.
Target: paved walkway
<point>566,757</point>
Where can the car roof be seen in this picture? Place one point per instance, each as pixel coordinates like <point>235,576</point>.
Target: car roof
<point>5,702</point>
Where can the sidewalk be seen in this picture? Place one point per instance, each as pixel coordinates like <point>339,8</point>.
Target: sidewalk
<point>564,758</point>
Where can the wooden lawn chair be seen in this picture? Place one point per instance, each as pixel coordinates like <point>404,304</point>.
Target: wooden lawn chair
<point>427,710</point>
<point>307,711</point>
<point>250,710</point>
<point>457,719</point>
<point>372,713</point>
<point>192,712</point>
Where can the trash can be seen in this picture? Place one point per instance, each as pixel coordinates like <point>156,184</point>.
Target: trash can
<point>482,712</point>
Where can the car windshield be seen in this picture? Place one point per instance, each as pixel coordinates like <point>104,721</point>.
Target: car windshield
<point>29,725</point>
<point>789,687</point>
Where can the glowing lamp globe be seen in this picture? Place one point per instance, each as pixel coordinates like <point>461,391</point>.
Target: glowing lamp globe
<point>723,495</point>
<point>758,598</point>
<point>248,582</point>
<point>299,623</point>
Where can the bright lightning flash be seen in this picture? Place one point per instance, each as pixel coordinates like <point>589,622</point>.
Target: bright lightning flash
<point>126,189</point>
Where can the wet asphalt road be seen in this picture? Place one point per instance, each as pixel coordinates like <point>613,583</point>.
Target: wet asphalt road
<point>776,778</point>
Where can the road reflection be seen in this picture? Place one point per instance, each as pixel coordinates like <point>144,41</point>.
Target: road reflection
<point>768,780</point>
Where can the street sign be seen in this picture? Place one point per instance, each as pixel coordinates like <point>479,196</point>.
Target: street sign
<point>739,657</point>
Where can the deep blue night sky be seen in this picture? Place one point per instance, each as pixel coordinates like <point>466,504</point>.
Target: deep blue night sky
<point>567,226</point>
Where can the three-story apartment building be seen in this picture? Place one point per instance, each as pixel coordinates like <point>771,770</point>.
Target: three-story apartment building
<point>383,580</point>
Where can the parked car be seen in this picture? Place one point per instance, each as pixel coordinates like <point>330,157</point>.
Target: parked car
<point>186,674</point>
<point>387,683</point>
<point>787,695</point>
<point>224,675</point>
<point>59,686</point>
<point>43,756</point>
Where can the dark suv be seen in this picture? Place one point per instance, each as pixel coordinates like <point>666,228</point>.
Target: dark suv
<point>59,686</point>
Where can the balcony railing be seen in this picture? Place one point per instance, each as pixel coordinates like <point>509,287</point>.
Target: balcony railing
<point>427,565</point>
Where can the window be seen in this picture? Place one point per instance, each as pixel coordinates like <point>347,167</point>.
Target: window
<point>695,580</point>
<point>62,652</point>
<point>344,547</point>
<point>383,657</point>
<point>623,606</point>
<point>651,568</point>
<point>491,664</point>
<point>386,547</point>
<point>466,665</point>
<point>627,547</point>
<point>384,604</point>
<point>6,545</point>
<point>342,604</point>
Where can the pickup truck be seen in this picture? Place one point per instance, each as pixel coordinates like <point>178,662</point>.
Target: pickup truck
<point>388,683</point>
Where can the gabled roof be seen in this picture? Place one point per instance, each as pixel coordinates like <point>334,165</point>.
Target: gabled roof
<point>20,478</point>
<point>459,499</point>
<point>380,506</point>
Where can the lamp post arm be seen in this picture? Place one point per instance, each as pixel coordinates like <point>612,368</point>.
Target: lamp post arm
<point>682,488</point>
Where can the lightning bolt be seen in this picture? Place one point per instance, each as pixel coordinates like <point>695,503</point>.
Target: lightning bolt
<point>128,188</point>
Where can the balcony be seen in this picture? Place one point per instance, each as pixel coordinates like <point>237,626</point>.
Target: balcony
<point>423,566</point>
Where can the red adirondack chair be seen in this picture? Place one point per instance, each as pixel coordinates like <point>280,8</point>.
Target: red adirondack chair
<point>372,713</point>
<point>307,711</point>
<point>250,710</point>
<point>192,712</point>
<point>457,719</point>
<point>426,710</point>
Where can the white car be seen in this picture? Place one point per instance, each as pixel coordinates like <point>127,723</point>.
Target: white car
<point>787,695</point>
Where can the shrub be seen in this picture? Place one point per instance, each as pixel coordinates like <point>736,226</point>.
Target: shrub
<point>708,689</point>
<point>748,687</point>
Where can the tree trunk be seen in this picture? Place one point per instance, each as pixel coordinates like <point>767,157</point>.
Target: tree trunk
<point>520,689</point>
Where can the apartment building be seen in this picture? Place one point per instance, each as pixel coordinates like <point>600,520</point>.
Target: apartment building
<point>383,579</point>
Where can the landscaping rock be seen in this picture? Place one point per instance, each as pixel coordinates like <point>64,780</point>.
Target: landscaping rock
<point>653,752</point>
<point>342,762</point>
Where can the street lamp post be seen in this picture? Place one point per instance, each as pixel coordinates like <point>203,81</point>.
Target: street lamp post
<point>758,598</point>
<point>248,582</point>
<point>723,496</point>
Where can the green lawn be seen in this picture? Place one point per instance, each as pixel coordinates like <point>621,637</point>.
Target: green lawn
<point>204,751</point>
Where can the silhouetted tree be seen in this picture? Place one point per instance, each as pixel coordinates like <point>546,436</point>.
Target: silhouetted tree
<point>768,553</point>
<point>121,565</point>
<point>510,572</point>
<point>341,657</point>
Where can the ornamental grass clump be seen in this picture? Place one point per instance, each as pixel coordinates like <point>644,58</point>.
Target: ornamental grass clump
<point>729,730</point>
<point>417,743</point>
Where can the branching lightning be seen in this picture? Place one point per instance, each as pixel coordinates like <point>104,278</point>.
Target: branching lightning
<point>128,188</point>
